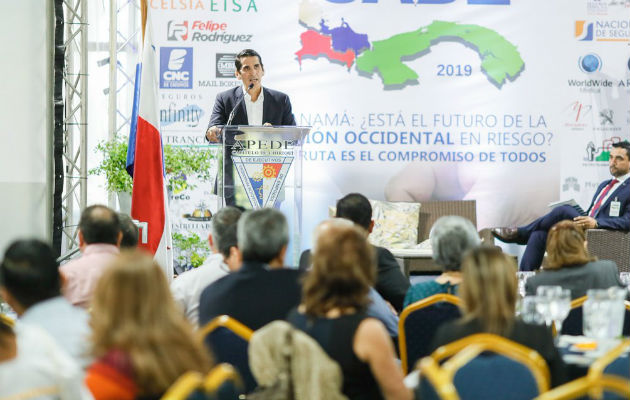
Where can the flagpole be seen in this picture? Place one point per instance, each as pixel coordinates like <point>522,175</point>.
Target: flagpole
<point>143,16</point>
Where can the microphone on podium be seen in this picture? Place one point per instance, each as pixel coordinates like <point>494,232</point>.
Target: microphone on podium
<point>238,103</point>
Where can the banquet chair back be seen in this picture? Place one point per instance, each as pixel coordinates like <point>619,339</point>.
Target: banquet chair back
<point>615,362</point>
<point>572,325</point>
<point>419,321</point>
<point>6,320</point>
<point>492,367</point>
<point>228,341</point>
<point>605,386</point>
<point>434,382</point>
<point>186,387</point>
<point>223,383</point>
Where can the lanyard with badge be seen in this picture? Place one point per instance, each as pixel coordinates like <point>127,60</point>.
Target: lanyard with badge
<point>615,207</point>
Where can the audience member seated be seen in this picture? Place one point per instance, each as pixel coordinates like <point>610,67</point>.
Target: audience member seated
<point>261,290</point>
<point>141,341</point>
<point>391,284</point>
<point>377,308</point>
<point>33,366</point>
<point>488,292</point>
<point>335,297</point>
<point>30,283</point>
<point>129,232</point>
<point>451,237</point>
<point>571,266</point>
<point>99,239</point>
<point>222,239</point>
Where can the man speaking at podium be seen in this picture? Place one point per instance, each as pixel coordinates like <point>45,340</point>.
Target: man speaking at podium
<point>251,103</point>
<point>609,209</point>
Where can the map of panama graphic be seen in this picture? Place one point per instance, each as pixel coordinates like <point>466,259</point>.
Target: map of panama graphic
<point>500,59</point>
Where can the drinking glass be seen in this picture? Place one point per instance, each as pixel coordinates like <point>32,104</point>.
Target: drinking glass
<point>559,307</point>
<point>544,297</point>
<point>522,277</point>
<point>595,314</point>
<point>529,311</point>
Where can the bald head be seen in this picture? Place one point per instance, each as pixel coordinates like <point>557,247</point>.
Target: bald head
<point>99,224</point>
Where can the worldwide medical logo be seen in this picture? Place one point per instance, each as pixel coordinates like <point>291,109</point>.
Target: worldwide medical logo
<point>590,63</point>
<point>387,59</point>
<point>176,67</point>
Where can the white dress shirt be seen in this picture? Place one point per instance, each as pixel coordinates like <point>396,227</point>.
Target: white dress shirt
<point>66,324</point>
<point>41,369</point>
<point>254,109</point>
<point>621,180</point>
<point>187,287</point>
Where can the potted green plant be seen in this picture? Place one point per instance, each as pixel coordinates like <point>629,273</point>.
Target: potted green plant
<point>117,180</point>
<point>192,250</point>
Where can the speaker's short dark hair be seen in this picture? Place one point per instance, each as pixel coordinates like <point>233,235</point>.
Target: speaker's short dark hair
<point>623,145</point>
<point>355,207</point>
<point>247,53</point>
<point>29,271</point>
<point>99,224</point>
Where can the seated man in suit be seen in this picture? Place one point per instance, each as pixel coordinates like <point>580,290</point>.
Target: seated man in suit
<point>391,284</point>
<point>261,290</point>
<point>609,209</point>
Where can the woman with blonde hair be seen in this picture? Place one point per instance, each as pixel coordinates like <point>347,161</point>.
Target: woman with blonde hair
<point>141,341</point>
<point>334,300</point>
<point>570,265</point>
<point>489,292</point>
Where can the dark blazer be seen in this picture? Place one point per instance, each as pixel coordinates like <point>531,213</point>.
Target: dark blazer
<point>536,337</point>
<point>391,284</point>
<point>254,295</point>
<point>622,194</point>
<point>600,274</point>
<point>276,108</point>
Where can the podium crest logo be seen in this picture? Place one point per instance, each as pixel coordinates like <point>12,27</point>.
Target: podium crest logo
<point>262,177</point>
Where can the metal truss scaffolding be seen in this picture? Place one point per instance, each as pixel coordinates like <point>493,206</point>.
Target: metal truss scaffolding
<point>74,120</point>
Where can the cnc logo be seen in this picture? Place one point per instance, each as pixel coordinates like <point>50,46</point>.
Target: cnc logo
<point>176,31</point>
<point>225,65</point>
<point>176,67</point>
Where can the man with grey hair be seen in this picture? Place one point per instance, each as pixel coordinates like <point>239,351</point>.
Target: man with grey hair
<point>187,287</point>
<point>451,237</point>
<point>261,290</point>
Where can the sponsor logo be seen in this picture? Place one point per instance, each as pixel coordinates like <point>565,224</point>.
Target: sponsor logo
<point>176,31</point>
<point>577,112</point>
<point>583,34</point>
<point>600,153</point>
<point>590,63</point>
<point>188,116</point>
<point>200,213</point>
<point>218,83</point>
<point>231,6</point>
<point>606,117</point>
<point>225,65</point>
<point>571,183</point>
<point>604,30</point>
<point>176,67</point>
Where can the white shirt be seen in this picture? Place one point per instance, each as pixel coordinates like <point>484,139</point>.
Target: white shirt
<point>66,324</point>
<point>621,180</point>
<point>254,109</point>
<point>41,369</point>
<point>187,287</point>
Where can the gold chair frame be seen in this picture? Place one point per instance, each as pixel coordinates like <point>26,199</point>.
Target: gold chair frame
<point>219,374</point>
<point>183,386</point>
<point>438,378</point>
<point>420,304</point>
<point>585,386</point>
<point>7,320</point>
<point>227,322</point>
<point>464,350</point>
